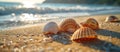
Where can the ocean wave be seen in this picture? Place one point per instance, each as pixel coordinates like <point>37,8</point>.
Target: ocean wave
<point>46,10</point>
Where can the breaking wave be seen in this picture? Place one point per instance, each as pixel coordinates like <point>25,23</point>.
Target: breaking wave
<point>47,10</point>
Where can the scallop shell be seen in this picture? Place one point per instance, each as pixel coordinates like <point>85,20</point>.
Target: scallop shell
<point>50,28</point>
<point>84,34</point>
<point>68,25</point>
<point>111,19</point>
<point>91,23</point>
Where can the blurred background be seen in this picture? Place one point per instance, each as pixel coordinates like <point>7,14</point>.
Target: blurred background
<point>14,13</point>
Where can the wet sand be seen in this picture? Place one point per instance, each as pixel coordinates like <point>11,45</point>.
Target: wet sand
<point>30,39</point>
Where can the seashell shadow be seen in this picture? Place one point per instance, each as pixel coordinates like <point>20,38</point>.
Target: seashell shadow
<point>101,45</point>
<point>115,21</point>
<point>63,38</point>
<point>105,32</point>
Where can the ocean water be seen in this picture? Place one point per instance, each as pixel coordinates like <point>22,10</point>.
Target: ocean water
<point>18,14</point>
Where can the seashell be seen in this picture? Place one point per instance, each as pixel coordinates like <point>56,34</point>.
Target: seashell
<point>84,34</point>
<point>50,28</point>
<point>68,25</point>
<point>111,19</point>
<point>91,23</point>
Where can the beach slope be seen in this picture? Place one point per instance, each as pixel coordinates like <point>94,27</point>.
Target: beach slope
<point>30,39</point>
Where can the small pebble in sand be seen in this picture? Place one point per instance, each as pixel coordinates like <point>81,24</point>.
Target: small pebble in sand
<point>48,40</point>
<point>22,47</point>
<point>17,35</point>
<point>32,35</point>
<point>3,46</point>
<point>9,43</point>
<point>62,50</point>
<point>31,39</point>
<point>16,50</point>
<point>69,50</point>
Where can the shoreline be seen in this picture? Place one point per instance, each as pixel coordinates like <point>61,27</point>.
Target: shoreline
<point>56,20</point>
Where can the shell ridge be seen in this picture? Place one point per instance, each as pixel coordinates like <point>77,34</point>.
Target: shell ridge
<point>91,23</point>
<point>68,25</point>
<point>84,34</point>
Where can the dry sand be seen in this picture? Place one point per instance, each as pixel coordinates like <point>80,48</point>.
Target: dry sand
<point>30,39</point>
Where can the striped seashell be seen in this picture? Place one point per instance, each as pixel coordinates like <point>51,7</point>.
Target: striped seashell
<point>111,19</point>
<point>50,28</point>
<point>91,23</point>
<point>84,34</point>
<point>68,25</point>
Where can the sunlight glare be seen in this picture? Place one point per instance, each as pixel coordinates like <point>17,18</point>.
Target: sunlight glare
<point>28,17</point>
<point>28,4</point>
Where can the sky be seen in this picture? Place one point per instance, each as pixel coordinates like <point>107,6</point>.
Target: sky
<point>36,1</point>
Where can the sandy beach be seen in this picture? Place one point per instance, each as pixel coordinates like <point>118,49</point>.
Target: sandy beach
<point>30,39</point>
